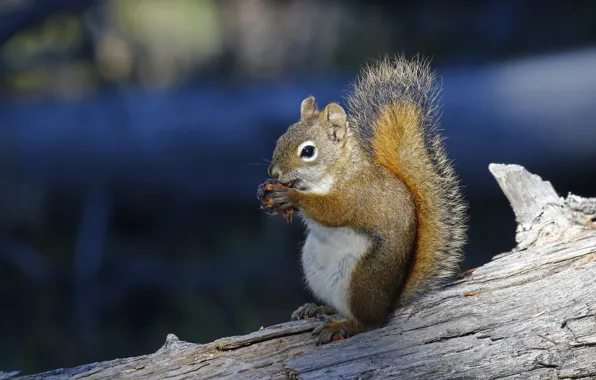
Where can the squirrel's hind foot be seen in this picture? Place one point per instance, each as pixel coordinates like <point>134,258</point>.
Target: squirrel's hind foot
<point>311,310</point>
<point>331,330</point>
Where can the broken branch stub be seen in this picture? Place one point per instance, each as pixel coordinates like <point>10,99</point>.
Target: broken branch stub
<point>542,216</point>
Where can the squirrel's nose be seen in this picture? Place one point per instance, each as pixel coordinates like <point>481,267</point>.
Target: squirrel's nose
<point>274,172</point>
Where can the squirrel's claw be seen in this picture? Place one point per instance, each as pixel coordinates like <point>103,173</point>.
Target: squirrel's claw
<point>311,310</point>
<point>333,330</point>
<point>279,196</point>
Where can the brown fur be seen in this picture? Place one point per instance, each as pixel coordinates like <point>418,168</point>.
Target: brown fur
<point>399,146</point>
<point>395,113</point>
<point>377,279</point>
<point>393,183</point>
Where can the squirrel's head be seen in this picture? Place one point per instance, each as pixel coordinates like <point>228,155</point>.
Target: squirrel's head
<point>306,154</point>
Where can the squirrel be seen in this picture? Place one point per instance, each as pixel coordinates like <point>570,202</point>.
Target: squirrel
<point>383,208</point>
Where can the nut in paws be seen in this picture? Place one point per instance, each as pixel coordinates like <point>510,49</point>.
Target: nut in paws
<point>274,195</point>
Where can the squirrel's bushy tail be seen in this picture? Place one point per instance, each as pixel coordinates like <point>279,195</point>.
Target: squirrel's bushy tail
<point>394,108</point>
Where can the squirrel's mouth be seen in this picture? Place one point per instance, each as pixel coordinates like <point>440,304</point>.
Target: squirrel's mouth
<point>297,184</point>
<point>289,184</point>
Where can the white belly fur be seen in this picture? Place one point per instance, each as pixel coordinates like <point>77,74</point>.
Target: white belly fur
<point>328,258</point>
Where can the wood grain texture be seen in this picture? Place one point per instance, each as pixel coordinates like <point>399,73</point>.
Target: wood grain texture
<point>542,216</point>
<point>527,314</point>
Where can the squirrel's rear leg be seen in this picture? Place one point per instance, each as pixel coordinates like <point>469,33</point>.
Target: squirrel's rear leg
<point>331,330</point>
<point>311,310</point>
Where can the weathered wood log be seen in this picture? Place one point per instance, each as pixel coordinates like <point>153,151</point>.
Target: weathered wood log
<point>527,314</point>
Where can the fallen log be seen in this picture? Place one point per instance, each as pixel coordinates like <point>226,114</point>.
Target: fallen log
<point>528,314</point>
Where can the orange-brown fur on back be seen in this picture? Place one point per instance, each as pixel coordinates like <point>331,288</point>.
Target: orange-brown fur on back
<point>393,109</point>
<point>380,200</point>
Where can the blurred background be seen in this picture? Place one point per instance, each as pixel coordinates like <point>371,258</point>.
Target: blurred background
<point>133,135</point>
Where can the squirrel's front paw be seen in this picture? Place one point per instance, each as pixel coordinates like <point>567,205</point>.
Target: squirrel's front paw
<point>331,330</point>
<point>265,188</point>
<point>275,195</point>
<point>311,310</point>
<point>280,198</point>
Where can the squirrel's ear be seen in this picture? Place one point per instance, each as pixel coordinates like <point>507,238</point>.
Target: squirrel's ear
<point>335,114</point>
<point>308,107</point>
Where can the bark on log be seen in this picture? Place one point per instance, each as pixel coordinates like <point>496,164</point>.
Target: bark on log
<point>527,314</point>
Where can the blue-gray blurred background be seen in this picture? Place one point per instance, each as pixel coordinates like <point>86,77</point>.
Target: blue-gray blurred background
<point>133,135</point>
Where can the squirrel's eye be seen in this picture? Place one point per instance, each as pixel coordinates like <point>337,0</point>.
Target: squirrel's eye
<point>307,152</point>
